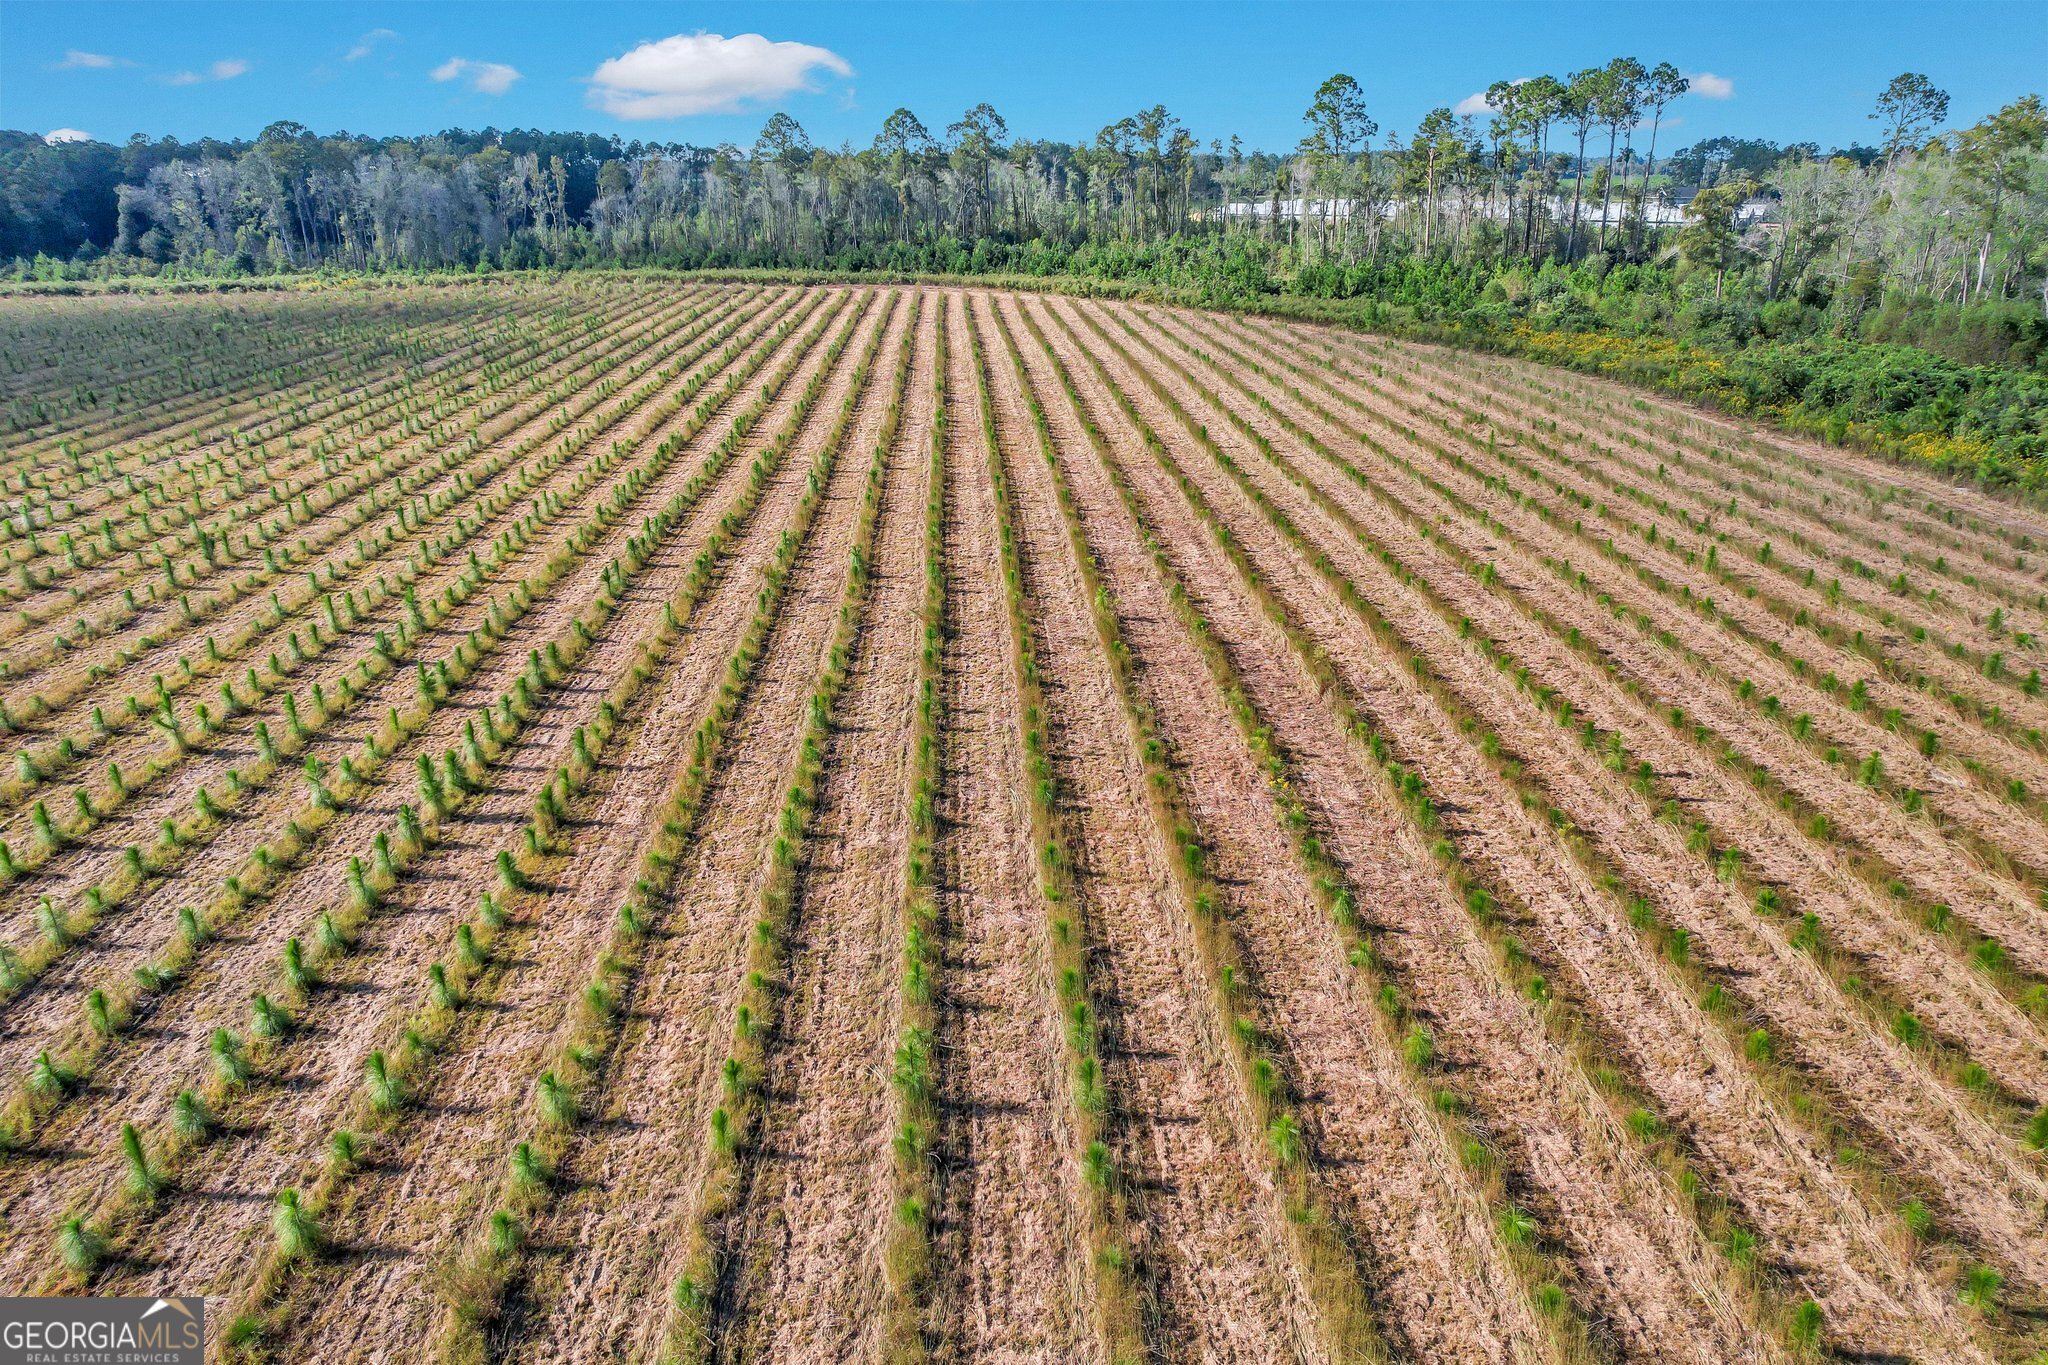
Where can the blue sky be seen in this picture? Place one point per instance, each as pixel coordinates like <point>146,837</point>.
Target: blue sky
<point>1788,71</point>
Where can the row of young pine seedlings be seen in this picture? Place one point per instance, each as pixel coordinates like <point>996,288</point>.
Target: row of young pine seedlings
<point>908,1253</point>
<point>165,362</point>
<point>333,515</point>
<point>84,1241</point>
<point>1879,1004</point>
<point>487,1271</point>
<point>414,521</point>
<point>131,372</point>
<point>1720,993</point>
<point>61,929</point>
<point>472,520</point>
<point>1800,476</point>
<point>70,460</point>
<point>1706,463</point>
<point>1801,727</point>
<point>330,483</point>
<point>1877,871</point>
<point>1985,714</point>
<point>215,477</point>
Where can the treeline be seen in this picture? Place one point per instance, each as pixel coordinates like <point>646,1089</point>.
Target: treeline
<point>1559,212</point>
<point>1558,169</point>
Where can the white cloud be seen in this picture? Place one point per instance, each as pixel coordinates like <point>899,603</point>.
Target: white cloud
<point>1709,86</point>
<point>57,135</point>
<point>489,78</point>
<point>74,60</point>
<point>706,73</point>
<point>224,70</point>
<point>367,44</point>
<point>1475,103</point>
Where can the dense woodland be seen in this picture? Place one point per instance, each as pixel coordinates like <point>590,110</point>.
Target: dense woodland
<point>1563,212</point>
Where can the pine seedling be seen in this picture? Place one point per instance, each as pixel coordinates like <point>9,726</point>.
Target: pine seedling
<point>81,1246</point>
<point>298,1235</point>
<point>230,1063</point>
<point>190,1117</point>
<point>269,1019</point>
<point>558,1105</point>
<point>386,1094</point>
<point>143,1180</point>
<point>49,1077</point>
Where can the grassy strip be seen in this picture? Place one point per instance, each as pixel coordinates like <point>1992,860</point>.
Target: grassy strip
<point>908,1258</point>
<point>713,1262</point>
<point>1337,1281</point>
<point>1125,1310</point>
<point>477,1285</point>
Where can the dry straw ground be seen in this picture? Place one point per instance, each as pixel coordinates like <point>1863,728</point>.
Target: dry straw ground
<point>622,820</point>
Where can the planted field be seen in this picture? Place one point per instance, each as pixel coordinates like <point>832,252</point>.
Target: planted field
<point>633,820</point>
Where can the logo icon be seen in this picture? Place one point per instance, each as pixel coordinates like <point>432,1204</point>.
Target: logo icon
<point>124,1331</point>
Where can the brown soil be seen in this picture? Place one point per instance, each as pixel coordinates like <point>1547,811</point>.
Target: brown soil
<point>1626,1118</point>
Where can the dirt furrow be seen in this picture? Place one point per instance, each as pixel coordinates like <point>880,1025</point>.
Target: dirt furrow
<point>811,1281</point>
<point>1226,1285</point>
<point>1010,1246</point>
<point>614,1244</point>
